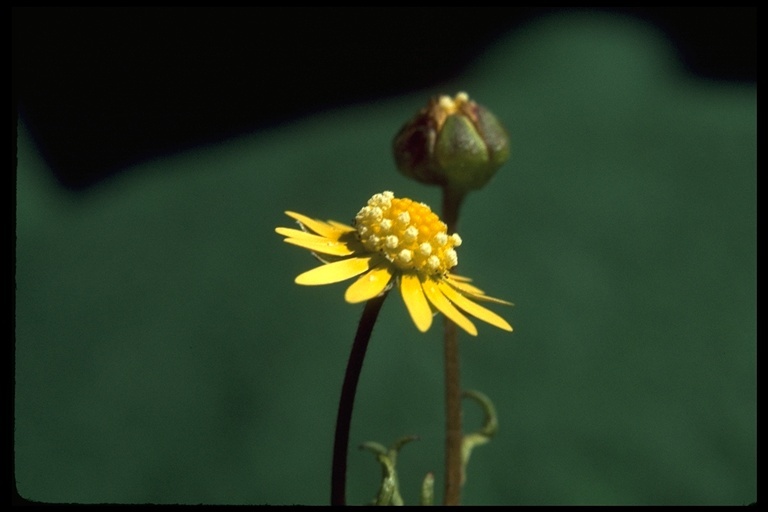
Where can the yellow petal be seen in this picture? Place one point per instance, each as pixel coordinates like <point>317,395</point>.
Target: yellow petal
<point>334,272</point>
<point>343,227</point>
<point>369,285</point>
<point>321,228</point>
<point>315,243</point>
<point>304,235</point>
<point>443,305</point>
<point>473,291</point>
<point>462,283</point>
<point>344,246</point>
<point>470,307</point>
<point>327,247</point>
<point>415,302</point>
<point>297,233</point>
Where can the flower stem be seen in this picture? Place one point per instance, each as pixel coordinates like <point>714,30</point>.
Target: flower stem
<point>451,203</point>
<point>347,400</point>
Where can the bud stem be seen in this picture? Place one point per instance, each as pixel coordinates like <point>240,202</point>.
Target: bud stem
<point>452,200</point>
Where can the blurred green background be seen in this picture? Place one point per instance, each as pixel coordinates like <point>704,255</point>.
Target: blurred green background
<point>164,355</point>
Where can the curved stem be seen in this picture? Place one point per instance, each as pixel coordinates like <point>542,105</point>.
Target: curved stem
<point>347,399</point>
<point>451,204</point>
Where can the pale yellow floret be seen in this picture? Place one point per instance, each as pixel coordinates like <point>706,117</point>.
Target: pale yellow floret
<point>433,263</point>
<point>410,235</point>
<point>451,105</point>
<point>405,256</point>
<point>451,257</point>
<point>447,103</point>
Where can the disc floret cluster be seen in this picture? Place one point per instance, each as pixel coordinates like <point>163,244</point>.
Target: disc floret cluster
<point>408,234</point>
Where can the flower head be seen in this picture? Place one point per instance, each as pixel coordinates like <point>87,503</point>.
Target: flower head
<point>394,242</point>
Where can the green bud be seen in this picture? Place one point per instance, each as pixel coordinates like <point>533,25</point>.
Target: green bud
<point>452,142</point>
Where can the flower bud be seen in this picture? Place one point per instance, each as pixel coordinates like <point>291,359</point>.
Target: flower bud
<point>452,142</point>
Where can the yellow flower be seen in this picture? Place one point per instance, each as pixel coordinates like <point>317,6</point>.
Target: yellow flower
<point>395,241</point>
